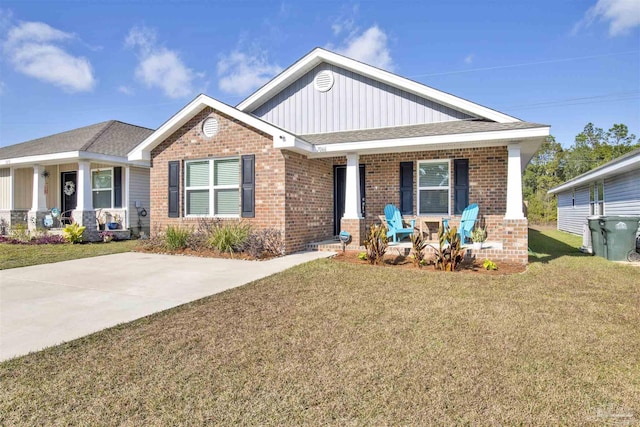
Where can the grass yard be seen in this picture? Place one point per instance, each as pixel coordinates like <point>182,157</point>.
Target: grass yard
<point>345,344</point>
<point>12,256</point>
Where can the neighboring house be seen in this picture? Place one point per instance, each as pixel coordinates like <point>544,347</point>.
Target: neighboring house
<point>609,189</point>
<point>81,172</point>
<point>327,143</point>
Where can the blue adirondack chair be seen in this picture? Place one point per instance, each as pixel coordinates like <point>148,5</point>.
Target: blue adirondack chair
<point>396,225</point>
<point>468,221</point>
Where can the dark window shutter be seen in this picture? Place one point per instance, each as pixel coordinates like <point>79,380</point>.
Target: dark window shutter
<point>117,187</point>
<point>174,189</point>
<point>406,188</point>
<point>248,186</point>
<point>460,185</point>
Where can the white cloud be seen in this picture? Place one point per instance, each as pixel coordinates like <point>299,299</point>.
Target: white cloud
<point>160,67</point>
<point>469,58</point>
<point>622,15</point>
<point>369,47</point>
<point>125,89</point>
<point>240,73</point>
<point>33,48</point>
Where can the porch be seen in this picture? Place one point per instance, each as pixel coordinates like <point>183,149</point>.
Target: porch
<point>96,195</point>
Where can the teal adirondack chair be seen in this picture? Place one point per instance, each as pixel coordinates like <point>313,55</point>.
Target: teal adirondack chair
<point>395,224</point>
<point>468,221</point>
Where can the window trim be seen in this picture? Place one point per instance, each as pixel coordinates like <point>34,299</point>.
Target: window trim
<point>596,198</point>
<point>211,187</point>
<point>103,189</point>
<point>418,188</point>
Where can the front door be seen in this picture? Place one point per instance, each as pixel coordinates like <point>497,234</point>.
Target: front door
<point>68,181</point>
<point>339,191</point>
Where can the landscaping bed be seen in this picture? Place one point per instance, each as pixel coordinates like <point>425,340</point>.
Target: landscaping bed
<point>471,266</point>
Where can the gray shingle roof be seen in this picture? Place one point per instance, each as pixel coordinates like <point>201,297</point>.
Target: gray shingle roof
<point>429,129</point>
<point>112,138</point>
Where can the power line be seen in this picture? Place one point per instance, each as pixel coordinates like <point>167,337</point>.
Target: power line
<point>524,64</point>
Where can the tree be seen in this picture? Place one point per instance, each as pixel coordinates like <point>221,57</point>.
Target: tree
<point>594,147</point>
<point>545,171</point>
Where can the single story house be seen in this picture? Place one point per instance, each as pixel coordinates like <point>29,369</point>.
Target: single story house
<point>610,189</point>
<point>81,173</point>
<point>326,144</point>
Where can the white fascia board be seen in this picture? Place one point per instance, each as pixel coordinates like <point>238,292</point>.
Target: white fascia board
<point>616,168</point>
<point>70,156</point>
<point>429,142</point>
<point>143,150</point>
<point>319,55</point>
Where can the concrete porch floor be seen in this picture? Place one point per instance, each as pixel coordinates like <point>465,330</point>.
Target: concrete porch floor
<point>403,247</point>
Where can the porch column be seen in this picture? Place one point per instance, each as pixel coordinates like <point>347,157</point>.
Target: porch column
<point>352,195</point>
<point>12,183</point>
<point>352,220</point>
<point>514,184</point>
<point>84,213</point>
<point>84,200</point>
<point>38,200</point>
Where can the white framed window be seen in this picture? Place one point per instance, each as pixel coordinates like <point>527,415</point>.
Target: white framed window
<point>596,198</point>
<point>212,187</point>
<point>433,184</point>
<point>102,188</point>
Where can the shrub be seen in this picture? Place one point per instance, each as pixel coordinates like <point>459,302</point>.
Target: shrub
<point>362,256</point>
<point>489,265</point>
<point>418,243</point>
<point>20,232</point>
<point>449,254</point>
<point>73,232</point>
<point>376,243</point>
<point>264,243</point>
<point>176,238</point>
<point>48,239</point>
<point>230,237</point>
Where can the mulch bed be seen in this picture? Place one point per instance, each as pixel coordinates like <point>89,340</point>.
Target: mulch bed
<point>202,253</point>
<point>399,261</point>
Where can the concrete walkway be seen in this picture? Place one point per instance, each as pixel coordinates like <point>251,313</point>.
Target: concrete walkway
<point>47,304</point>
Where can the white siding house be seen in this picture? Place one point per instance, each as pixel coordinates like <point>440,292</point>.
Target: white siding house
<point>610,189</point>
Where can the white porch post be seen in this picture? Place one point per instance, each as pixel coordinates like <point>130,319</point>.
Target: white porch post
<point>352,194</point>
<point>84,201</point>
<point>39,199</point>
<point>514,184</point>
<point>12,183</point>
<point>125,199</point>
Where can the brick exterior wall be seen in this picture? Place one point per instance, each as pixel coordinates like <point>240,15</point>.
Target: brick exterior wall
<point>233,139</point>
<point>294,194</point>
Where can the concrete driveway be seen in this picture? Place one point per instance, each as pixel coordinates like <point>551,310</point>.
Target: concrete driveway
<point>45,305</point>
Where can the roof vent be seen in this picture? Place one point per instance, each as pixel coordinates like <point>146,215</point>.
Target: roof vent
<point>210,127</point>
<point>323,81</point>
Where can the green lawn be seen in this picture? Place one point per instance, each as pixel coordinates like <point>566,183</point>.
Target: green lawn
<point>345,344</point>
<point>12,256</point>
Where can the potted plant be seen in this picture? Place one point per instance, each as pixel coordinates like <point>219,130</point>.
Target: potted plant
<point>102,219</point>
<point>478,237</point>
<point>107,236</point>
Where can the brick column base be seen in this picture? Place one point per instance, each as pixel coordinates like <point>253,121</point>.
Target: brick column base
<point>516,240</point>
<point>88,219</point>
<point>356,228</point>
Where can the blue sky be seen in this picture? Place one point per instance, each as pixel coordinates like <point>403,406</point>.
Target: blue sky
<point>67,64</point>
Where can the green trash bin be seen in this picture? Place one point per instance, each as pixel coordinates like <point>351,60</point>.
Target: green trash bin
<point>619,236</point>
<point>597,241</point>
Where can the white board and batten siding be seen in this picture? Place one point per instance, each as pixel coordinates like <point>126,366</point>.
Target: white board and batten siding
<point>571,218</point>
<point>353,102</point>
<point>139,191</point>
<point>622,194</point>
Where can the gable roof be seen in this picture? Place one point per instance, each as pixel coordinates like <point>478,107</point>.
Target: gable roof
<point>281,138</point>
<point>319,55</point>
<point>622,164</point>
<point>112,138</point>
